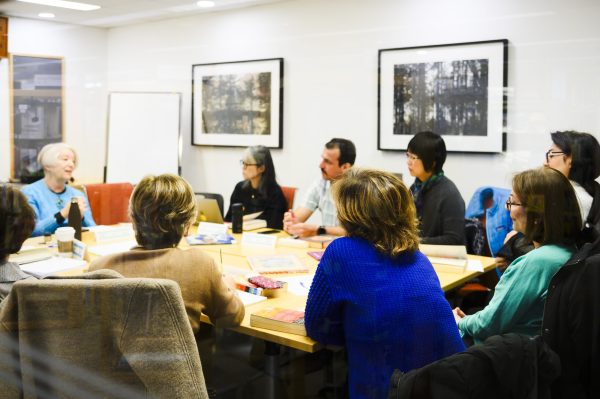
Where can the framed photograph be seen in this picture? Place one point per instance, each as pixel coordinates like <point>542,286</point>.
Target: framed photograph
<point>238,104</point>
<point>455,90</point>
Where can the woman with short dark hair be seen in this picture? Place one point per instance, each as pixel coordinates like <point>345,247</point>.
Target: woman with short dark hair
<point>577,156</point>
<point>543,207</point>
<point>259,191</point>
<point>17,221</point>
<point>440,207</point>
<point>162,209</point>
<point>374,292</point>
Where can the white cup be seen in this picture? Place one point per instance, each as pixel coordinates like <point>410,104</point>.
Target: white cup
<point>64,238</point>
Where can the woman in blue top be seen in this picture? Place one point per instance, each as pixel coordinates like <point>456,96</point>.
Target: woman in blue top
<point>50,197</point>
<point>374,292</point>
<point>543,207</point>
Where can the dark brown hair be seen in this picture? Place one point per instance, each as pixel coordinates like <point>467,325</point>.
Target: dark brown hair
<point>376,206</point>
<point>551,206</point>
<point>17,220</point>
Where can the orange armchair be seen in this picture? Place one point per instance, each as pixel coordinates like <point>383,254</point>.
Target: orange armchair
<point>109,202</point>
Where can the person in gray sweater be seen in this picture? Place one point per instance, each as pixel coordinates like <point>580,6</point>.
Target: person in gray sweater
<point>440,207</point>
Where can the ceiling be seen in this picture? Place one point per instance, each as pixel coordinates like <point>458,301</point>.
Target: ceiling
<point>123,12</point>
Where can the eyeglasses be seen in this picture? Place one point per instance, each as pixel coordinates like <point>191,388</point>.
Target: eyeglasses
<point>551,154</point>
<point>245,164</point>
<point>509,204</point>
<point>411,157</point>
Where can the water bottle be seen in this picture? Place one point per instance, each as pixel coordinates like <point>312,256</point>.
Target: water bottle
<point>75,217</point>
<point>237,215</point>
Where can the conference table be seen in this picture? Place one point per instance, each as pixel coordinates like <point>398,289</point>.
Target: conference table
<point>235,256</point>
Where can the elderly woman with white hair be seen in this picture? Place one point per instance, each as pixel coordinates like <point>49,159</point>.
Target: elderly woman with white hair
<point>50,197</point>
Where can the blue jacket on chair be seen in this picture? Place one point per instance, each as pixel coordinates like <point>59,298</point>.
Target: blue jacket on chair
<point>498,222</point>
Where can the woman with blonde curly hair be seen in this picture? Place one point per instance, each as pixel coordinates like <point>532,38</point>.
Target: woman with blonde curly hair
<point>374,291</point>
<point>162,208</point>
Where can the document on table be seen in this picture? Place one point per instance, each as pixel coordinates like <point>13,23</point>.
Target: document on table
<point>53,265</point>
<point>298,285</point>
<point>248,298</point>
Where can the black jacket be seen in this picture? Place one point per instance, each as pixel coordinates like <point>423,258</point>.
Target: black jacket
<point>273,205</point>
<point>504,366</point>
<point>571,324</point>
<point>442,219</point>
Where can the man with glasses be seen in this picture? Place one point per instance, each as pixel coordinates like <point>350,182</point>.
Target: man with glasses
<point>337,157</point>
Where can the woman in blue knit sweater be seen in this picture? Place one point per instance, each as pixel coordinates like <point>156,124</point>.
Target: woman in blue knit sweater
<point>374,292</point>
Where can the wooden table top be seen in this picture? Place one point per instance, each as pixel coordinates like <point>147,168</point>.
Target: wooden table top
<point>235,255</point>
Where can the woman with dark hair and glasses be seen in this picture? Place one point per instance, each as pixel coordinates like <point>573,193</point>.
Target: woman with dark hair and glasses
<point>543,207</point>
<point>259,191</point>
<point>577,156</point>
<point>440,207</point>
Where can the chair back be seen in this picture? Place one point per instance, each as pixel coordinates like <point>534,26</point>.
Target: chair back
<point>109,202</point>
<point>214,196</point>
<point>98,335</point>
<point>289,193</point>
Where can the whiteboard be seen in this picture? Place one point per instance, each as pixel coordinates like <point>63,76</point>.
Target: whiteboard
<point>143,135</point>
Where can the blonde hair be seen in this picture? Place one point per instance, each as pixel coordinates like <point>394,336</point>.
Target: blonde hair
<point>376,206</point>
<point>48,155</point>
<point>161,208</point>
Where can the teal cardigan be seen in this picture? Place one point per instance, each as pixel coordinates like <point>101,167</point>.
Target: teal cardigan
<point>518,302</point>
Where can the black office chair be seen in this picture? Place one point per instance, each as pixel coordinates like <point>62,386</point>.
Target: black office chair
<point>214,196</point>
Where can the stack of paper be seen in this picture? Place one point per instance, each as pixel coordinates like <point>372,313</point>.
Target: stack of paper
<point>52,266</point>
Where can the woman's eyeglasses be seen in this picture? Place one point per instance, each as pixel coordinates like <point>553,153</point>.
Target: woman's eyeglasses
<point>551,154</point>
<point>245,164</point>
<point>509,204</point>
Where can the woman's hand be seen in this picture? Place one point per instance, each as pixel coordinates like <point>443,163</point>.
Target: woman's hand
<point>458,314</point>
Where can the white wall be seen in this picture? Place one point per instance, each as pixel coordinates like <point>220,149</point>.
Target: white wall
<point>330,51</point>
<point>84,52</point>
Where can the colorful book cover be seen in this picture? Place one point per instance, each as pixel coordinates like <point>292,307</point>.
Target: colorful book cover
<point>277,264</point>
<point>279,319</point>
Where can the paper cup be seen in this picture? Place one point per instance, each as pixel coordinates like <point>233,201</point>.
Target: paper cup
<point>64,238</point>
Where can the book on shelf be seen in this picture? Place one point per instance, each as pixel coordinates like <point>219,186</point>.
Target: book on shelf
<point>287,263</point>
<point>279,319</point>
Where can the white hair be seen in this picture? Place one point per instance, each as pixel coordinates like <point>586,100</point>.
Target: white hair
<point>48,155</point>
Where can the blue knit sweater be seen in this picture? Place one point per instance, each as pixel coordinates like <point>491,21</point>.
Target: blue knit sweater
<point>389,313</point>
<point>46,203</point>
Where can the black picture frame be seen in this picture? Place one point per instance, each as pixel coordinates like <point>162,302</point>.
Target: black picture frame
<point>238,103</point>
<point>456,90</point>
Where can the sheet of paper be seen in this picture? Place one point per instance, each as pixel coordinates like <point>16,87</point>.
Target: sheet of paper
<point>115,248</point>
<point>250,299</point>
<point>262,240</point>
<point>207,228</point>
<point>475,265</point>
<point>298,285</point>
<point>109,233</point>
<point>52,266</point>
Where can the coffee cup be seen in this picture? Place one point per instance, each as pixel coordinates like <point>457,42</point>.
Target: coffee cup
<point>64,238</point>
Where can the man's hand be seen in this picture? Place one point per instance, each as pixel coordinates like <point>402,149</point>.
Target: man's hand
<point>458,314</point>
<point>301,229</point>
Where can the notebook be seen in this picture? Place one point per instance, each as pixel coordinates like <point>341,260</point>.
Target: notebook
<point>208,211</point>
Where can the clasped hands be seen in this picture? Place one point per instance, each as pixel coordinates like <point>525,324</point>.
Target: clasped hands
<point>298,229</point>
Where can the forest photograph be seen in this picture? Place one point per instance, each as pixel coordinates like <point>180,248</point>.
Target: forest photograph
<point>448,97</point>
<point>237,104</point>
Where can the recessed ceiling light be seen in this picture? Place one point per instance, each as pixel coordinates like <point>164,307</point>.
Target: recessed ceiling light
<point>205,4</point>
<point>46,15</point>
<point>64,4</point>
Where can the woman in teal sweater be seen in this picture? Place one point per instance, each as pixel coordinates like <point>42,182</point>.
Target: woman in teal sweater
<point>543,206</point>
